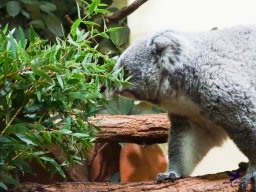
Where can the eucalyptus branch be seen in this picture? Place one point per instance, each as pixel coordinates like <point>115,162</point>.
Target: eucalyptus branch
<point>125,11</point>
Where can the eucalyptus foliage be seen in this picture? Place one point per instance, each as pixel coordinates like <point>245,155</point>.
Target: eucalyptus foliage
<point>47,92</point>
<point>46,15</point>
<point>48,19</point>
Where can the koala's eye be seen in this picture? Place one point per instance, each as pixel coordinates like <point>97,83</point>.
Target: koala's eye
<point>127,73</point>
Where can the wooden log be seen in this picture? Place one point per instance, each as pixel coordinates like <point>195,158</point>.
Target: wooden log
<point>141,129</point>
<point>211,183</point>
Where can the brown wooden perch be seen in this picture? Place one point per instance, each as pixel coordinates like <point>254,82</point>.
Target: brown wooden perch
<point>146,129</point>
<point>141,129</point>
<point>211,183</point>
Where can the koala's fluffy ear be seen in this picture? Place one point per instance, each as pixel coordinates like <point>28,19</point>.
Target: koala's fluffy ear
<point>166,45</point>
<point>162,41</point>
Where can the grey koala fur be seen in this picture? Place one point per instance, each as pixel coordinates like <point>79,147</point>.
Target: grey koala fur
<point>207,83</point>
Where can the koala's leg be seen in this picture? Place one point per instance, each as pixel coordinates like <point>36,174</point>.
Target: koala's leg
<point>246,142</point>
<point>248,177</point>
<point>188,144</point>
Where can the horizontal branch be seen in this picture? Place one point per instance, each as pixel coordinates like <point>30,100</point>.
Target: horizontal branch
<point>141,129</point>
<point>125,11</point>
<point>212,183</point>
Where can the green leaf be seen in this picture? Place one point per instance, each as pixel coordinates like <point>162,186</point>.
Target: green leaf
<point>60,81</point>
<point>25,138</point>
<point>112,29</point>
<point>21,37</point>
<point>18,128</point>
<point>47,137</point>
<point>47,7</point>
<point>48,89</point>
<point>39,127</point>
<point>26,1</point>
<point>76,95</point>
<point>38,153</point>
<point>32,108</point>
<point>37,23</point>
<point>104,35</point>
<point>104,5</point>
<point>39,95</point>
<point>80,135</point>
<point>22,165</point>
<point>6,89</point>
<point>102,11</point>
<point>25,14</point>
<point>72,42</point>
<point>67,123</point>
<point>65,131</point>
<point>55,164</point>
<point>3,186</point>
<point>106,46</point>
<point>54,25</point>
<point>90,23</point>
<point>93,6</point>
<point>119,37</point>
<point>32,34</point>
<point>8,179</point>
<point>4,140</point>
<point>42,74</point>
<point>13,8</point>
<point>75,26</point>
<point>6,28</point>
<point>12,45</point>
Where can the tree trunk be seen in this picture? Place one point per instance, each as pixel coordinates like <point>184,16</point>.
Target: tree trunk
<point>140,129</point>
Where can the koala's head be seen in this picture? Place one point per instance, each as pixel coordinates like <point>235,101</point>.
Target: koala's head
<point>150,62</point>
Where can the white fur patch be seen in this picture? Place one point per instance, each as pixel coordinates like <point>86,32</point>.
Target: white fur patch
<point>202,136</point>
<point>179,104</point>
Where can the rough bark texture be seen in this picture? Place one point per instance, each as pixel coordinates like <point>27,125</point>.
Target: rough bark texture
<point>141,129</point>
<point>212,183</point>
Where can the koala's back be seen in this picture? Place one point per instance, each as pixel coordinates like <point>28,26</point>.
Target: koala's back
<point>226,62</point>
<point>233,48</point>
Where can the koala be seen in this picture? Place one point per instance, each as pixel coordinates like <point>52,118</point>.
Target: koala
<point>206,82</point>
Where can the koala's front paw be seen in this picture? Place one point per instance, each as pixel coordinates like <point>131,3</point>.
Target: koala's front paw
<point>249,176</point>
<point>169,175</point>
<point>243,166</point>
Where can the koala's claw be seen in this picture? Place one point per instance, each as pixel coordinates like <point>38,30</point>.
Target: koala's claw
<point>251,176</point>
<point>243,166</point>
<point>166,176</point>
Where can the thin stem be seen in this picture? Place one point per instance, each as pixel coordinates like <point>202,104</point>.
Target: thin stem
<point>10,122</point>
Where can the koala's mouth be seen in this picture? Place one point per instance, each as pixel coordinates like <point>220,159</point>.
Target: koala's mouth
<point>133,95</point>
<point>127,93</point>
<point>154,101</point>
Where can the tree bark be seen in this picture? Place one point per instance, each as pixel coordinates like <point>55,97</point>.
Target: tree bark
<point>116,16</point>
<point>140,129</point>
<point>211,183</point>
<point>146,129</point>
